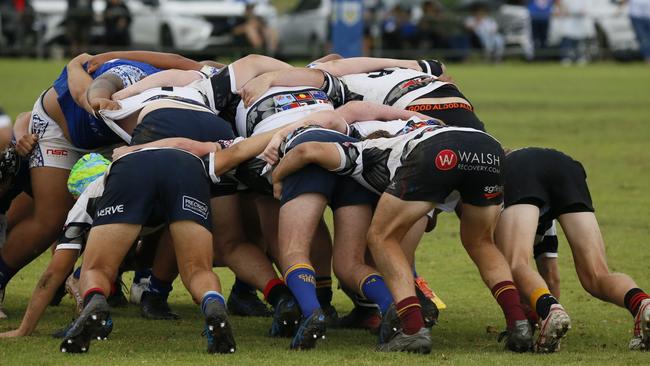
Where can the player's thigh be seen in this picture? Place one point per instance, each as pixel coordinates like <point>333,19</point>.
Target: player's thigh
<point>108,244</point>
<point>393,217</point>
<point>586,242</point>
<point>192,244</point>
<point>515,233</point>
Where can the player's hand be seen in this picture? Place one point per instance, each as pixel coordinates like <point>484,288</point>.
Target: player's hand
<point>446,78</point>
<point>95,62</point>
<point>104,104</point>
<point>277,190</point>
<point>123,150</point>
<point>82,58</point>
<point>252,90</point>
<point>271,154</point>
<point>12,334</point>
<point>26,144</point>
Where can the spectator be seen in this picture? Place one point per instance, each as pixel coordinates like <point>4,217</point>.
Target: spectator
<point>640,16</point>
<point>257,32</point>
<point>540,15</point>
<point>429,27</point>
<point>487,31</point>
<point>78,21</point>
<point>17,21</point>
<point>575,28</point>
<point>399,32</point>
<point>117,19</point>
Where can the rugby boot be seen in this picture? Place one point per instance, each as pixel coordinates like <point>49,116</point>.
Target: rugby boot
<point>311,330</point>
<point>102,334</point>
<point>286,317</point>
<point>519,338</point>
<point>332,319</point>
<point>423,285</point>
<point>362,317</point>
<point>641,339</point>
<point>247,304</point>
<point>3,315</point>
<point>218,330</point>
<point>390,325</point>
<point>428,308</point>
<point>117,299</point>
<point>137,289</point>
<point>419,342</point>
<point>552,329</point>
<point>155,307</point>
<point>87,326</point>
<point>72,287</point>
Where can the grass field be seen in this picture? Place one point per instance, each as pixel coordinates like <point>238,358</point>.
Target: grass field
<point>598,114</point>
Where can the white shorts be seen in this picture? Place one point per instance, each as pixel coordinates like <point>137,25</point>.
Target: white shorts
<point>52,149</point>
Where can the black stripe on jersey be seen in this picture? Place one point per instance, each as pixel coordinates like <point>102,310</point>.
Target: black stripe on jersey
<point>224,99</point>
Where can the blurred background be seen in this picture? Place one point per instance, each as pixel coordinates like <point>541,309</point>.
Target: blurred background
<point>569,31</point>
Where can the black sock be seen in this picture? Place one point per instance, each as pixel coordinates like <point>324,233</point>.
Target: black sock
<point>277,292</point>
<point>324,290</point>
<point>92,293</point>
<point>543,305</point>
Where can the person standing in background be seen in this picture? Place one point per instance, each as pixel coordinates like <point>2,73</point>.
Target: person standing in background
<point>540,16</point>
<point>575,27</point>
<point>639,12</point>
<point>117,19</point>
<point>78,22</point>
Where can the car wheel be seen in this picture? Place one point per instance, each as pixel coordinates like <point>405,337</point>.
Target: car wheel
<point>166,38</point>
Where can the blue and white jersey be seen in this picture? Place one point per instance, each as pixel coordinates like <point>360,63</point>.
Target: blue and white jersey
<point>87,131</point>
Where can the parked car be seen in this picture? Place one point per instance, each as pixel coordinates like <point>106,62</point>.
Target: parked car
<point>184,25</point>
<point>304,30</point>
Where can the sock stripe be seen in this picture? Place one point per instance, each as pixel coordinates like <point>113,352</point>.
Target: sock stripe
<point>404,309</point>
<point>503,289</point>
<point>269,286</point>
<point>363,281</point>
<point>636,300</point>
<point>298,266</point>
<point>537,293</point>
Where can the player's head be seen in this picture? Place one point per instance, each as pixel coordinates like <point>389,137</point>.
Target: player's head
<point>8,165</point>
<point>85,171</point>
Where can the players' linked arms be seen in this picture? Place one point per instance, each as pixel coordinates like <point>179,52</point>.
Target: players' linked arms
<point>295,76</point>
<point>195,147</point>
<point>325,154</point>
<point>160,60</point>
<point>251,66</point>
<point>79,81</point>
<point>25,141</point>
<point>227,159</point>
<point>356,111</point>
<point>164,78</point>
<point>356,65</point>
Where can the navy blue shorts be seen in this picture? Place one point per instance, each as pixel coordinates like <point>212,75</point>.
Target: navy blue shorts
<point>340,191</point>
<point>189,123</point>
<point>168,184</point>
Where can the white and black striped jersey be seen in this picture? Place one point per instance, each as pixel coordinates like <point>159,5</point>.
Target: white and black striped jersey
<point>393,86</point>
<point>373,163</point>
<point>363,129</point>
<point>275,108</point>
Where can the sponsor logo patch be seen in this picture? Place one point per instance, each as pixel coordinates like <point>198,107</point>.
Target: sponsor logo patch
<point>56,152</point>
<point>110,210</point>
<point>195,206</point>
<point>446,159</point>
<point>491,192</point>
<point>479,162</point>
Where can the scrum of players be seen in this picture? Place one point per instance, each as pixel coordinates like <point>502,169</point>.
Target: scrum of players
<point>154,163</point>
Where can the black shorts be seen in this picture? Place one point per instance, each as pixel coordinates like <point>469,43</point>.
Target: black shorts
<point>189,123</point>
<point>340,191</point>
<point>453,114</point>
<point>467,162</point>
<point>548,179</point>
<point>167,183</point>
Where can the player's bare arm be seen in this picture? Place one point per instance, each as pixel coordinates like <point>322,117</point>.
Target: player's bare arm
<point>161,60</point>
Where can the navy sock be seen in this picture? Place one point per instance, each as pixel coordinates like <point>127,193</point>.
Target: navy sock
<point>374,289</point>
<point>209,297</point>
<point>301,280</point>
<point>324,290</point>
<point>241,287</point>
<point>77,273</point>
<point>6,273</point>
<point>140,274</point>
<point>158,286</point>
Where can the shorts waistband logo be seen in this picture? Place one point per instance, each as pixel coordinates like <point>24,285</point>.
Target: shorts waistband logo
<point>446,160</point>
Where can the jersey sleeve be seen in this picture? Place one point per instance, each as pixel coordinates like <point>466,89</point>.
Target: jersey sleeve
<point>79,220</point>
<point>223,96</point>
<point>350,155</point>
<point>336,90</point>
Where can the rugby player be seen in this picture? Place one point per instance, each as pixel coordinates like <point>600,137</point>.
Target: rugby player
<point>400,169</point>
<point>65,129</point>
<point>542,185</point>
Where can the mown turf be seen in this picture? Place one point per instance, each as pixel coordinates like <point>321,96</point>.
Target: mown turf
<point>597,114</point>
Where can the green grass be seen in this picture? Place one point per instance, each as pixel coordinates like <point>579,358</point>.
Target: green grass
<point>598,114</point>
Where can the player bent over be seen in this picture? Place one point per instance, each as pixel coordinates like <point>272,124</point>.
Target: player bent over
<point>415,173</point>
<point>542,185</point>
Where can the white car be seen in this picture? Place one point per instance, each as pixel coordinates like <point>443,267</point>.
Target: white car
<point>186,25</point>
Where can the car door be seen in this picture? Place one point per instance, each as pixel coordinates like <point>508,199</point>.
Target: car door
<point>146,22</point>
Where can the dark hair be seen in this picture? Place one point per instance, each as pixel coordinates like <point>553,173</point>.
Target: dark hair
<point>8,164</point>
